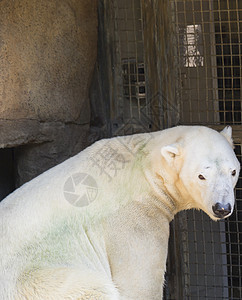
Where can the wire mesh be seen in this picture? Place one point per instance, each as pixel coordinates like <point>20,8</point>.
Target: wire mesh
<point>209,42</point>
<point>138,104</point>
<point>205,264</point>
<point>131,87</point>
<point>233,229</point>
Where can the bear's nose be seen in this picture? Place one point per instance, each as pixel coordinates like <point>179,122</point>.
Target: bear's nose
<point>220,210</point>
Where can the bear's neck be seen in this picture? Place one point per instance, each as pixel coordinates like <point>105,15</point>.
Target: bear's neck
<point>160,196</point>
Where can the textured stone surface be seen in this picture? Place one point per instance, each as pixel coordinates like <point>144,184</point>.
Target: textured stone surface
<point>20,132</point>
<point>33,159</point>
<point>47,55</point>
<point>43,145</point>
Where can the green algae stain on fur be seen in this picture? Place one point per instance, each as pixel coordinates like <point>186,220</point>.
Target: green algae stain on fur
<point>65,243</point>
<point>56,245</point>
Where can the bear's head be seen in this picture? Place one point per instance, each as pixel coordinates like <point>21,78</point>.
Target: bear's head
<point>205,170</point>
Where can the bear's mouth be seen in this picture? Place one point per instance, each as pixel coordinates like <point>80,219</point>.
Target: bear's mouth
<point>220,218</point>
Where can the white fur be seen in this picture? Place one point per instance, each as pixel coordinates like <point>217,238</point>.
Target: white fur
<point>116,247</point>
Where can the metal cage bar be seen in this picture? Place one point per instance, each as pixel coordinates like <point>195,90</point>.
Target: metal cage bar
<point>209,42</point>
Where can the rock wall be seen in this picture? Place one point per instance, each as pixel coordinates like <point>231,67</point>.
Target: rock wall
<point>47,56</point>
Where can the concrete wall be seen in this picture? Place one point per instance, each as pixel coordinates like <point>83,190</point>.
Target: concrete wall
<point>47,56</point>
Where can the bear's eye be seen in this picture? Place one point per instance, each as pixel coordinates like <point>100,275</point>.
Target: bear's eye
<point>233,173</point>
<point>201,177</point>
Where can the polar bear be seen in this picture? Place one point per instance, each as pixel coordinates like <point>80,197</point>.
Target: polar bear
<point>97,225</point>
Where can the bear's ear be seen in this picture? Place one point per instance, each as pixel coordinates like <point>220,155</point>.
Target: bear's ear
<point>227,133</point>
<point>170,152</point>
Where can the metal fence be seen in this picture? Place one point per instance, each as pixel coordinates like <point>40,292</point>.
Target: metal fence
<point>209,42</point>
<point>179,62</point>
